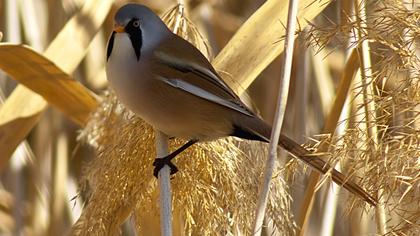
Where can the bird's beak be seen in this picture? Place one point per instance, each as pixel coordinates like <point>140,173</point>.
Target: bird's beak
<point>119,28</point>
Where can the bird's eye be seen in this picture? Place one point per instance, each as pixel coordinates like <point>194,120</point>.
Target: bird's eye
<point>136,23</point>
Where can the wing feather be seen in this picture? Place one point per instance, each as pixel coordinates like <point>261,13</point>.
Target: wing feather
<point>199,92</point>
<point>194,68</point>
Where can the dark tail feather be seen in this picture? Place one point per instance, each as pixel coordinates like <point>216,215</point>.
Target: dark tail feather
<point>261,131</point>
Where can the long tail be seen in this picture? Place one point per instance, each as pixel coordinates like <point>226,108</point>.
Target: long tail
<point>261,131</point>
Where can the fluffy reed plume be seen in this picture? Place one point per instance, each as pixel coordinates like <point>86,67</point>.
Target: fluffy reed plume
<point>393,168</point>
<point>215,190</point>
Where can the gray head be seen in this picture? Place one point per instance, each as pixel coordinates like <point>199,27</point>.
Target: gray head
<point>143,26</point>
<point>132,11</point>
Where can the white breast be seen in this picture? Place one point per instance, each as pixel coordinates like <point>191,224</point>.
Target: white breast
<point>122,56</point>
<point>120,68</point>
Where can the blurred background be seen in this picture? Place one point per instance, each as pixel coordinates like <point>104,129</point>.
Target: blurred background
<point>40,181</point>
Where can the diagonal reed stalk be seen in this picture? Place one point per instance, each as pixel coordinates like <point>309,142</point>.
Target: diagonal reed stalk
<point>329,128</point>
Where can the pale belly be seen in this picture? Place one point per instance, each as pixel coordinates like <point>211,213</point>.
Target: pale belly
<point>174,112</point>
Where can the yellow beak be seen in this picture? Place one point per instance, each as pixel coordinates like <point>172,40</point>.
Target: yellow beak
<point>119,29</point>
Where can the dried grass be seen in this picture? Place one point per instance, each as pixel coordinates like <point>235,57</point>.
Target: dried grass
<point>393,167</point>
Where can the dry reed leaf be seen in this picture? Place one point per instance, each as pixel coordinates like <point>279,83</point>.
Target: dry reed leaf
<point>46,79</point>
<point>66,50</point>
<point>258,41</point>
<point>16,119</point>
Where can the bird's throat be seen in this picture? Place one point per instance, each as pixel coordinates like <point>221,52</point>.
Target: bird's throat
<point>118,43</point>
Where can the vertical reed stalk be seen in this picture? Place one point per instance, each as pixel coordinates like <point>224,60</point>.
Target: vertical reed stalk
<point>165,198</point>
<point>369,104</point>
<point>278,120</point>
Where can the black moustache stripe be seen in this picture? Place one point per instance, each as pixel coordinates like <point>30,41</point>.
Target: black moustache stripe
<point>136,39</point>
<point>110,45</point>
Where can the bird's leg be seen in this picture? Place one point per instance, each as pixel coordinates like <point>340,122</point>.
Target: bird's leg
<point>159,163</point>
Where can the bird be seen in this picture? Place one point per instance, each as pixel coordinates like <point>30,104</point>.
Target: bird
<point>171,85</point>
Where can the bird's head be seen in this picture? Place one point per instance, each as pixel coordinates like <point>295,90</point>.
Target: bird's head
<point>144,28</point>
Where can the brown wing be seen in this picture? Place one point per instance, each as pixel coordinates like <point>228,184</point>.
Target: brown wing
<point>191,66</point>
